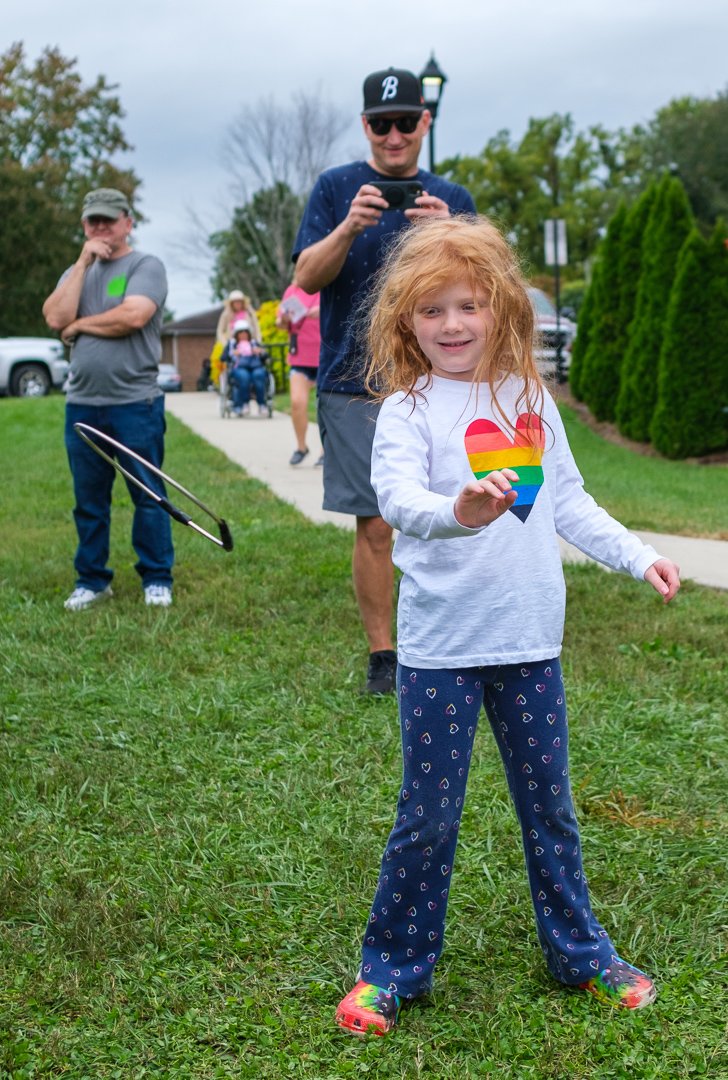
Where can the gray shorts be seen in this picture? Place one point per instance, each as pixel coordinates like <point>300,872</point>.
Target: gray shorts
<point>346,423</point>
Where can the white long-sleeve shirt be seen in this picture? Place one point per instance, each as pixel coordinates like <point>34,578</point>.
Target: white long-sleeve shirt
<point>493,595</point>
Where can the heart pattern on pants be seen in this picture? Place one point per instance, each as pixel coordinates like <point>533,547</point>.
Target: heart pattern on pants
<point>489,448</point>
<point>407,919</point>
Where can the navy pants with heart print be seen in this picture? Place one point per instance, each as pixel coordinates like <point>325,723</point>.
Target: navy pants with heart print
<point>439,713</point>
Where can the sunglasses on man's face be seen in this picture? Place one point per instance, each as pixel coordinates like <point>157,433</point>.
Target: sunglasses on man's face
<point>96,220</point>
<point>382,125</point>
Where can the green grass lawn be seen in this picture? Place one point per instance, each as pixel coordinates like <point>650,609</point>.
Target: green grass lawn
<point>650,492</point>
<point>194,803</point>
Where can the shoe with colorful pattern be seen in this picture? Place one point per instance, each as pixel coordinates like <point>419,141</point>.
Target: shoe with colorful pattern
<point>622,985</point>
<point>369,1010</point>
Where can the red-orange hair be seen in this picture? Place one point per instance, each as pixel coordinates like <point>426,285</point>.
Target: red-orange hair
<point>435,253</point>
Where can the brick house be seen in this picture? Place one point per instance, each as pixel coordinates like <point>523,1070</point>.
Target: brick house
<point>187,343</point>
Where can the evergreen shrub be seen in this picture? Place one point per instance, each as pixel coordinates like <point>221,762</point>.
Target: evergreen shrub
<point>692,394</point>
<point>603,360</point>
<point>668,225</point>
<point>583,331</point>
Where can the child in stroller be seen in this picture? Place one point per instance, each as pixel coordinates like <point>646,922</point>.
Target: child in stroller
<point>247,369</point>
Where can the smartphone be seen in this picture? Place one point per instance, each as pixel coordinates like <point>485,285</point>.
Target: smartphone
<point>400,194</point>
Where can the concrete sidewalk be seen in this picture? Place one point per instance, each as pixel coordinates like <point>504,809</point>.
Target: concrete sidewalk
<point>263,446</point>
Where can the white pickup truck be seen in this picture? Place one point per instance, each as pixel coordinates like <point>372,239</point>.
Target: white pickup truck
<point>30,366</point>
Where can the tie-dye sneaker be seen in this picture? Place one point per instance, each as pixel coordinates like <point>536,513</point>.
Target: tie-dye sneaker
<point>622,985</point>
<point>369,1010</point>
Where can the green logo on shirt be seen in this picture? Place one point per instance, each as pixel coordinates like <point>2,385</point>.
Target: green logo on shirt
<point>116,286</point>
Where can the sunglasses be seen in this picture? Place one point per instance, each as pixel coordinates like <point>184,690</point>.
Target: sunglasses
<point>381,125</point>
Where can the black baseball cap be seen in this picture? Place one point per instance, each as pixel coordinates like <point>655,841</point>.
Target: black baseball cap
<point>393,90</point>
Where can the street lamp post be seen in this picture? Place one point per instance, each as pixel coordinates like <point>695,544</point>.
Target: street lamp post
<point>432,80</point>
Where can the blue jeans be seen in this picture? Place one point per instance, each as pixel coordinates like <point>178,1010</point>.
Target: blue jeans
<point>242,378</point>
<point>141,427</point>
<point>439,715</point>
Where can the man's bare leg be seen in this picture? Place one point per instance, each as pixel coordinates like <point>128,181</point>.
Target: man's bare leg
<point>373,574</point>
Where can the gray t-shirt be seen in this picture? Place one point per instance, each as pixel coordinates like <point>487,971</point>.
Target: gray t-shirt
<point>118,371</point>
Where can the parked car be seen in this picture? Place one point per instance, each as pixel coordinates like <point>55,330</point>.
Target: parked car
<point>30,366</point>
<point>548,335</point>
<point>169,379</point>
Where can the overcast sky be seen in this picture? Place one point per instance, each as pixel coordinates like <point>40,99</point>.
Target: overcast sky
<point>184,70</point>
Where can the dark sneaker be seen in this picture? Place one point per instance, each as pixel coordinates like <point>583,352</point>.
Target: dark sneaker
<point>368,1010</point>
<point>381,672</point>
<point>320,461</point>
<point>297,457</point>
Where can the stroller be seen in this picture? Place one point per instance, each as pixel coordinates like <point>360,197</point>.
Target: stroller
<point>226,389</point>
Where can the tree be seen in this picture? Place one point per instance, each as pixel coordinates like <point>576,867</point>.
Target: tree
<point>583,334</point>
<point>600,378</point>
<point>628,275</point>
<point>254,254</point>
<point>57,140</point>
<point>688,136</point>
<point>274,154</point>
<point>692,389</point>
<point>553,169</point>
<point>630,266</point>
<point>519,183</point>
<point>34,249</point>
<point>669,223</point>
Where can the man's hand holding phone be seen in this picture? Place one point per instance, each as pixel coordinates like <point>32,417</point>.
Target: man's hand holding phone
<point>400,194</point>
<point>371,201</point>
<point>428,206</point>
<point>365,209</point>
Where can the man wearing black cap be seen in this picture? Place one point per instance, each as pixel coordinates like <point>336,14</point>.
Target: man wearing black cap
<point>108,308</point>
<point>341,242</point>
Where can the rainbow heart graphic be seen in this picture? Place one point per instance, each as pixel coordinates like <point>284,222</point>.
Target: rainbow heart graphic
<point>489,448</point>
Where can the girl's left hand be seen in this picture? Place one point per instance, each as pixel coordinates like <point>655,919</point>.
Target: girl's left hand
<point>664,577</point>
<point>482,501</point>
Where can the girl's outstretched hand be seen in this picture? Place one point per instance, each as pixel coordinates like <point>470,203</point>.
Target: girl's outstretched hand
<point>664,577</point>
<point>482,501</point>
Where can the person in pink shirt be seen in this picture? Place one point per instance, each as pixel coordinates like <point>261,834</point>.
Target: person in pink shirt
<point>298,313</point>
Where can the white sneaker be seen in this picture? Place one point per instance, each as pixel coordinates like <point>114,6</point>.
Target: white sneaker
<point>82,598</point>
<point>157,595</point>
<point>262,410</point>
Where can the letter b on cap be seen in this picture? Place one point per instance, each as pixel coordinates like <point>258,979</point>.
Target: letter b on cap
<point>389,87</point>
